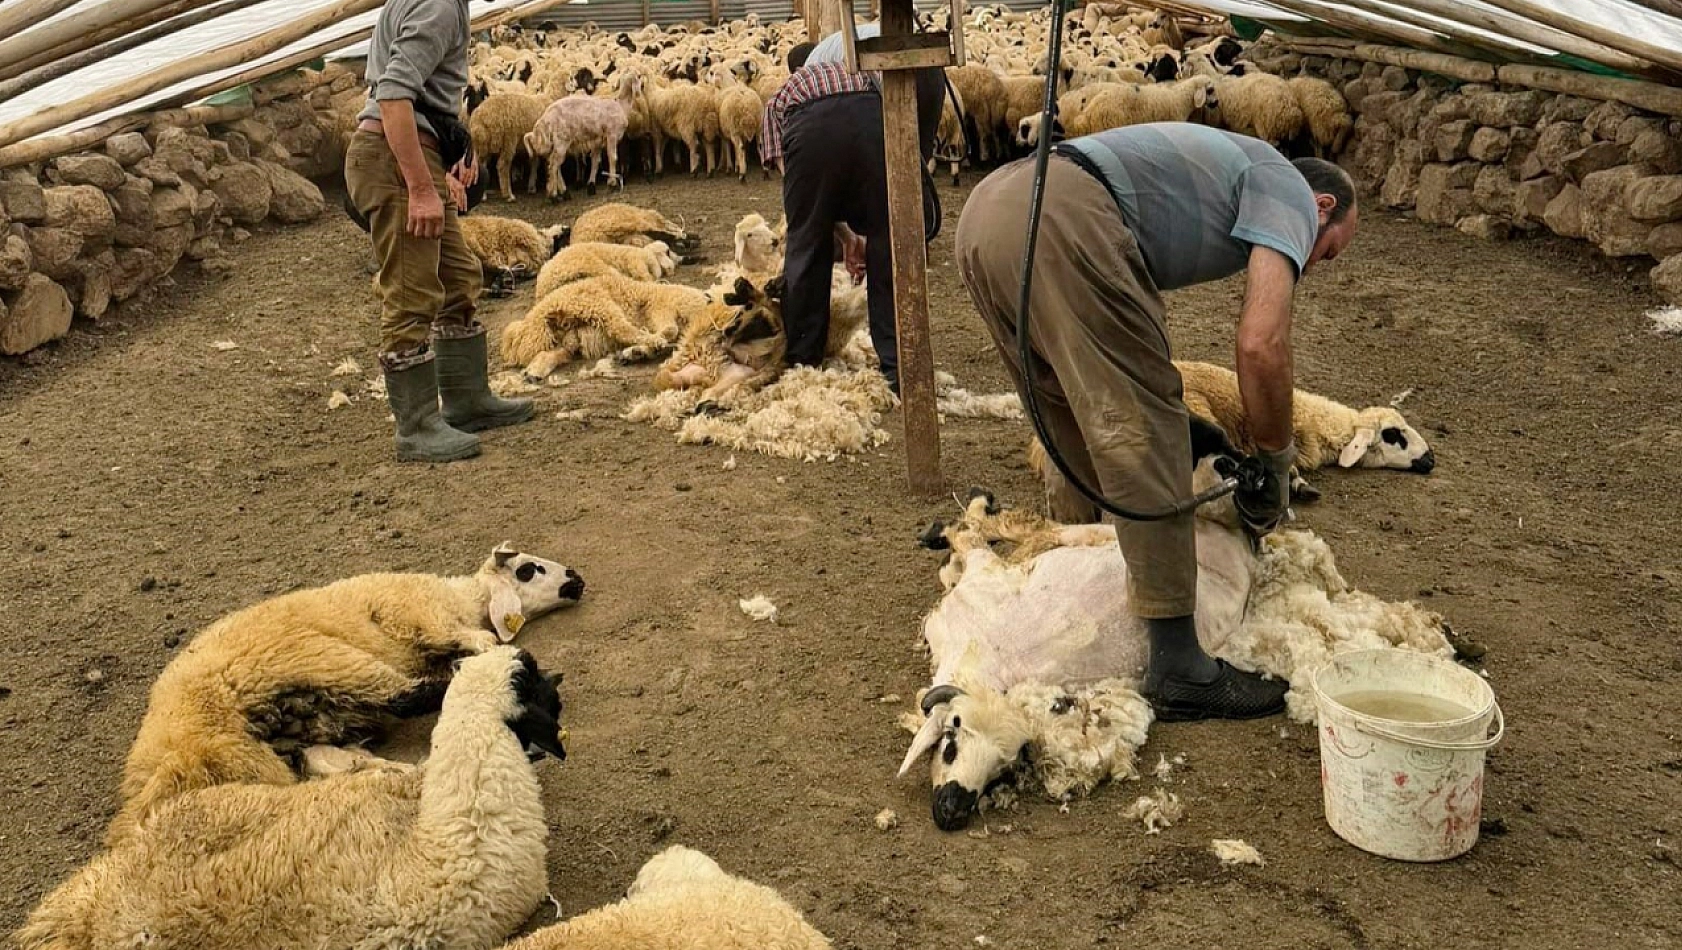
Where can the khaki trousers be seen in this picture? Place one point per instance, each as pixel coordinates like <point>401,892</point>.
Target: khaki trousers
<point>1106,388</point>
<point>427,286</point>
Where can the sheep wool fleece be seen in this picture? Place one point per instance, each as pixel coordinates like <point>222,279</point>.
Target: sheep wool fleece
<point>1109,394</point>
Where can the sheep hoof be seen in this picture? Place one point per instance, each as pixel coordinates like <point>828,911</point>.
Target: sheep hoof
<point>933,537</point>
<point>954,181</point>
<point>742,178</point>
<point>1304,492</point>
<point>992,500</point>
<point>590,189</point>
<point>532,378</point>
<point>708,408</point>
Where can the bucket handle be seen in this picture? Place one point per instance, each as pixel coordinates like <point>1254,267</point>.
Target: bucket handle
<point>1474,745</point>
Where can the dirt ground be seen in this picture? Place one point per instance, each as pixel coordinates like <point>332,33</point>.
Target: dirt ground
<point>153,482</point>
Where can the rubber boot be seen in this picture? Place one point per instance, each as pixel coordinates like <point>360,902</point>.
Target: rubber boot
<point>422,434</point>
<point>464,383</point>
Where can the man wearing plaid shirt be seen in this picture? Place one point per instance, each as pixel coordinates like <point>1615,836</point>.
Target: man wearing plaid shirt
<point>824,129</point>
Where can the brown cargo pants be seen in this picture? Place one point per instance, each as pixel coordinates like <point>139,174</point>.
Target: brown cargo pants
<point>427,286</point>
<point>1107,390</point>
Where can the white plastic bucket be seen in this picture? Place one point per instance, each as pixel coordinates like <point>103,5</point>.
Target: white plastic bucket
<point>1412,791</point>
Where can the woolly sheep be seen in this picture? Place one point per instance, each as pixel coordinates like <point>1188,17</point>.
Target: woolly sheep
<point>499,126</point>
<point>1036,656</point>
<point>740,112</point>
<point>1260,105</point>
<point>511,246</point>
<point>582,124</point>
<point>449,854</point>
<point>651,262</point>
<point>682,900</point>
<point>1124,105</point>
<point>619,223</point>
<point>983,98</point>
<point>688,113</point>
<point>598,317</point>
<point>1328,124</point>
<point>324,665</point>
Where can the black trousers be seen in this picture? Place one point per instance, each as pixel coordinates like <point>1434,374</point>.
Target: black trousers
<point>833,172</point>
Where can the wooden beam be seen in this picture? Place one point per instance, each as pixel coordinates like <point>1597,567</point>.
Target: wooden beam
<point>20,15</point>
<point>911,290</point>
<point>1455,67</point>
<point>51,146</point>
<point>1363,25</point>
<point>232,54</point>
<point>1672,8</point>
<point>69,64</point>
<point>1643,95</point>
<point>1636,47</point>
<point>100,23</point>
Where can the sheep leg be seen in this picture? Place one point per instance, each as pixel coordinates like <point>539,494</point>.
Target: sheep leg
<point>595,169</point>
<point>505,175</point>
<point>324,761</point>
<point>557,182</point>
<point>613,179</point>
<point>694,146</point>
<point>546,363</point>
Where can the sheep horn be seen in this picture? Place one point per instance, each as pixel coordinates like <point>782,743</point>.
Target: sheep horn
<point>944,693</point>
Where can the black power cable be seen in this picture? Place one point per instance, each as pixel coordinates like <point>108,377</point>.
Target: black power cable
<point>1042,155</point>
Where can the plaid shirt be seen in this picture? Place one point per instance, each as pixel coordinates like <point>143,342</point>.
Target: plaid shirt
<point>808,83</point>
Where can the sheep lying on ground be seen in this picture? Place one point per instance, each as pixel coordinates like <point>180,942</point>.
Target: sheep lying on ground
<point>682,900</point>
<point>647,263</point>
<point>449,854</point>
<point>609,315</point>
<point>510,249</point>
<point>619,223</point>
<point>322,666</point>
<point>1036,655</point>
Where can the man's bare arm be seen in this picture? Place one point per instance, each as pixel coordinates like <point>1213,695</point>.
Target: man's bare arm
<point>426,207</point>
<point>1264,348</point>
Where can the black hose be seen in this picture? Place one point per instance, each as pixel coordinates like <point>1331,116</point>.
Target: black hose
<point>1025,353</point>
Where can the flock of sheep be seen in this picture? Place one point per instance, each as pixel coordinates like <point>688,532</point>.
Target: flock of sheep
<point>627,99</point>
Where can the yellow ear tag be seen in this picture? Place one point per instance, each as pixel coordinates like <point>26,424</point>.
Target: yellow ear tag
<point>513,623</point>
<point>563,735</point>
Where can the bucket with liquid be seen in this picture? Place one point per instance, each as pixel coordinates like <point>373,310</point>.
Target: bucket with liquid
<point>1402,741</point>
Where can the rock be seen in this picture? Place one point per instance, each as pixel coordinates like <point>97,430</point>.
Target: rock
<point>1354,91</point>
<point>1531,198</point>
<point>1489,145</point>
<point>275,153</point>
<point>83,209</point>
<point>1658,148</point>
<point>37,314</point>
<point>203,248</point>
<point>1631,128</point>
<point>171,207</point>
<point>245,192</point>
<point>100,171</point>
<point>1401,180</point>
<point>283,86</point>
<point>93,289</point>
<point>16,261</point>
<point>1603,122</point>
<point>25,202</point>
<point>1606,220</point>
<point>55,251</point>
<point>1372,70</point>
<point>258,133</point>
<point>1584,162</point>
<point>1656,200</point>
<point>1521,145</point>
<point>188,156</point>
<point>1488,227</point>
<point>132,202</point>
<point>1506,110</point>
<point>1554,142</point>
<point>1667,279</point>
<point>1568,109</point>
<point>1664,241</point>
<point>295,199</point>
<point>1395,78</point>
<point>1564,214</point>
<point>1378,104</point>
<point>1454,140</point>
<point>1450,108</point>
<point>1372,154</point>
<point>207,207</point>
<point>1445,193</point>
<point>239,147</point>
<point>128,148</point>
<point>1494,191</point>
<point>169,244</point>
<point>156,172</point>
<point>136,267</point>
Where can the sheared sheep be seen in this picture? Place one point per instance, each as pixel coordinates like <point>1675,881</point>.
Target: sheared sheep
<point>510,249</point>
<point>598,317</point>
<point>682,900</point>
<point>582,124</point>
<point>650,262</point>
<point>1036,655</point>
<point>619,223</point>
<point>449,854</point>
<point>322,666</point>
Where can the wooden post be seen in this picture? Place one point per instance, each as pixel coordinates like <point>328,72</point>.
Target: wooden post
<point>1635,46</point>
<point>1672,8</point>
<point>51,146</point>
<point>1366,25</point>
<point>911,290</point>
<point>82,30</point>
<point>69,64</point>
<point>20,15</point>
<point>1651,96</point>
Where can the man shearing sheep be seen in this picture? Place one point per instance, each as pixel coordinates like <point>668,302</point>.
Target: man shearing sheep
<point>406,137</point>
<point>1129,213</point>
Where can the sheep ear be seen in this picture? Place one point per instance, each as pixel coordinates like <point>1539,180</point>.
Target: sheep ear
<point>506,614</point>
<point>1200,97</point>
<point>923,741</point>
<point>503,553</point>
<point>1356,449</point>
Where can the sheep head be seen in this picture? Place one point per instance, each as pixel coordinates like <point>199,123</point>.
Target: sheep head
<point>1383,439</point>
<point>535,713</point>
<point>519,587</point>
<point>978,739</point>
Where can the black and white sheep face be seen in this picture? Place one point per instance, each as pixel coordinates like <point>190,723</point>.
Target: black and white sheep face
<point>977,741</point>
<point>536,720</point>
<point>523,587</point>
<point>1383,439</point>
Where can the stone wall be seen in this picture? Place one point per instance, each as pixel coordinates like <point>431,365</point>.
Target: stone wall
<point>83,233</point>
<point>1496,162</point>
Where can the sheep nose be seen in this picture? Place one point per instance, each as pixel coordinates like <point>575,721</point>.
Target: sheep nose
<point>574,586</point>
<point>953,806</point>
<point>1425,463</point>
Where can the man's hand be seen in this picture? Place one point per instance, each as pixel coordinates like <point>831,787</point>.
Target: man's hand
<point>466,171</point>
<point>853,254</point>
<point>426,213</point>
<point>426,208</point>
<point>458,192</point>
<point>1264,491</point>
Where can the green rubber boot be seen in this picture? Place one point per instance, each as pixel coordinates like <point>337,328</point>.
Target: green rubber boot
<point>464,382</point>
<point>422,434</point>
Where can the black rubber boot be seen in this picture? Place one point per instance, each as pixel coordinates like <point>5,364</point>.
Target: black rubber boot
<point>422,434</point>
<point>464,383</point>
<point>1232,694</point>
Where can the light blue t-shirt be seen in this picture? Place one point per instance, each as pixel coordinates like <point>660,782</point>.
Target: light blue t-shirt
<point>1198,199</point>
<point>831,49</point>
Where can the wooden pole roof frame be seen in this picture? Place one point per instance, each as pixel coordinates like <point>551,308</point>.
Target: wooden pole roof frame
<point>1595,32</point>
<point>1355,21</point>
<point>1666,7</point>
<point>23,14</point>
<point>83,29</point>
<point>1531,32</point>
<point>69,64</point>
<point>232,54</point>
